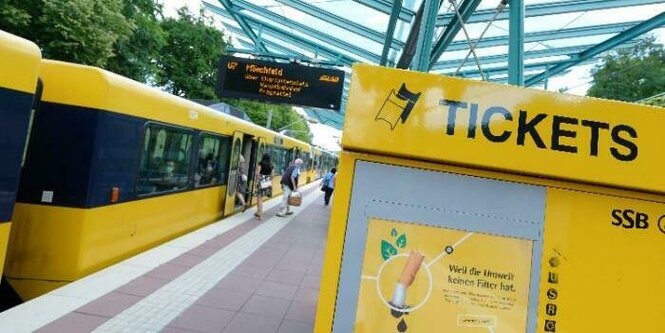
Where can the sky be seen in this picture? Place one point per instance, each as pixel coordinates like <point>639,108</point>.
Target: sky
<point>577,81</point>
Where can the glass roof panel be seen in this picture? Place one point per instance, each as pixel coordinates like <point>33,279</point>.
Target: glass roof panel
<point>560,34</point>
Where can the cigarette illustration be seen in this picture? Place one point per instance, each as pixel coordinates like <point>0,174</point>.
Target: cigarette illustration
<point>406,279</point>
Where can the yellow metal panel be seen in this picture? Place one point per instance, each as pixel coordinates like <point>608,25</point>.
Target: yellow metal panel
<point>607,255</point>
<point>4,238</point>
<point>65,244</point>
<point>19,63</point>
<point>335,245</point>
<point>614,265</point>
<point>500,127</point>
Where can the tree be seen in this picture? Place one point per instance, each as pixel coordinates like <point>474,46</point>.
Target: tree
<point>80,31</point>
<point>631,74</point>
<point>15,16</point>
<point>283,117</point>
<point>188,61</point>
<point>136,57</point>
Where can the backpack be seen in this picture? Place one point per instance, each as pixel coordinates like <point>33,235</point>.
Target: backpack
<point>326,181</point>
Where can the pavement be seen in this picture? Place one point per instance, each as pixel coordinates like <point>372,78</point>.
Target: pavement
<point>238,275</point>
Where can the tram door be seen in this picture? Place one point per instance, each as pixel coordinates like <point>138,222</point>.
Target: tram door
<point>258,148</point>
<point>256,151</point>
<point>232,187</point>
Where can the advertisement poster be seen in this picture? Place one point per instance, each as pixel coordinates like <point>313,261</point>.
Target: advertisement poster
<point>421,279</point>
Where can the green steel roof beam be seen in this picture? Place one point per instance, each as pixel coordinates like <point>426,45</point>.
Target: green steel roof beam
<point>331,61</point>
<point>466,9</point>
<point>243,24</point>
<point>516,42</point>
<point>287,57</point>
<point>313,47</point>
<point>329,56</point>
<point>249,49</point>
<point>397,6</point>
<point>410,46</point>
<point>537,66</point>
<point>341,22</point>
<point>312,32</point>
<point>504,79</point>
<point>543,9</point>
<point>644,27</point>
<point>499,58</point>
<point>260,54</point>
<point>287,37</point>
<point>268,43</point>
<point>541,36</point>
<point>385,6</point>
<point>279,48</point>
<point>426,34</point>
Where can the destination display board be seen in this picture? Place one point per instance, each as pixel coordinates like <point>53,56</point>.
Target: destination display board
<point>280,82</point>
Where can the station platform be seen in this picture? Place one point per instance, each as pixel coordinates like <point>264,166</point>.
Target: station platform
<point>238,275</point>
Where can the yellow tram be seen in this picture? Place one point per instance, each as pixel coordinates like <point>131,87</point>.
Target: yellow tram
<point>114,167</point>
<point>19,66</point>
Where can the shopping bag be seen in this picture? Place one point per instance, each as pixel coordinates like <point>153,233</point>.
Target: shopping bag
<point>295,199</point>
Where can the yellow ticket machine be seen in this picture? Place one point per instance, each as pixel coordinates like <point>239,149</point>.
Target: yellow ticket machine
<point>470,207</point>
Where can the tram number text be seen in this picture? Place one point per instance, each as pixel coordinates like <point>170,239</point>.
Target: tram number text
<point>630,219</point>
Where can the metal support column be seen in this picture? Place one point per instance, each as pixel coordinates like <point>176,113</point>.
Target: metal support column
<point>397,8</point>
<point>426,35</point>
<point>516,43</point>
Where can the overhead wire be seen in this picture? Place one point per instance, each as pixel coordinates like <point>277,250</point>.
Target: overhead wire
<point>561,28</point>
<point>499,9</point>
<point>468,38</point>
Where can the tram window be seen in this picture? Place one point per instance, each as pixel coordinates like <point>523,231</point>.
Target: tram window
<point>165,160</point>
<point>207,172</point>
<point>276,158</point>
<point>284,159</point>
<point>224,159</point>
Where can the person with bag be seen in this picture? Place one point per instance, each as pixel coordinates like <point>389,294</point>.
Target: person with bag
<point>328,185</point>
<point>264,184</point>
<point>241,184</point>
<point>289,184</point>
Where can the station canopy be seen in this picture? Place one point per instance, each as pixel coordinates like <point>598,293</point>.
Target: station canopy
<point>558,34</point>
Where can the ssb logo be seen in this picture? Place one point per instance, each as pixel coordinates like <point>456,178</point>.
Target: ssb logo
<point>397,106</point>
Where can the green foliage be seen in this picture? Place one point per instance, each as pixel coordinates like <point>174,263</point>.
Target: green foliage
<point>131,38</point>
<point>631,74</point>
<point>136,57</point>
<point>81,31</point>
<point>14,17</point>
<point>188,61</point>
<point>282,117</point>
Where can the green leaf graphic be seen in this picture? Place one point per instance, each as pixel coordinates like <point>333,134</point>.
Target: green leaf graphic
<point>393,233</point>
<point>401,241</point>
<point>387,250</point>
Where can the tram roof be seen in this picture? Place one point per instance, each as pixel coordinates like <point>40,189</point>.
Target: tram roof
<point>558,34</point>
